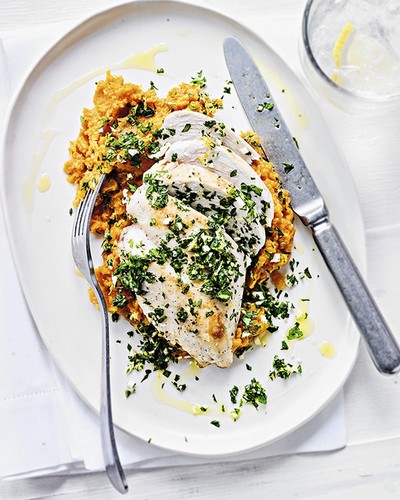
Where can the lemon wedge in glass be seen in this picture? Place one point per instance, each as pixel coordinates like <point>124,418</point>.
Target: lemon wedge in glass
<point>341,43</point>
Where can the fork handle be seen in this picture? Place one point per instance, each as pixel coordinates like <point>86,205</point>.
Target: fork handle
<point>112,462</point>
<point>380,341</point>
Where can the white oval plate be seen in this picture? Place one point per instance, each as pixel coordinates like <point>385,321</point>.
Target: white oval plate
<point>45,117</point>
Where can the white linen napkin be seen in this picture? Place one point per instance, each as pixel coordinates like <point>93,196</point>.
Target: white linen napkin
<point>45,428</point>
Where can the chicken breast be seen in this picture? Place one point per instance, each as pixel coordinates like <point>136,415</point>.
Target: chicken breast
<point>194,275</point>
<point>228,165</point>
<point>217,198</point>
<point>197,220</point>
<point>186,125</point>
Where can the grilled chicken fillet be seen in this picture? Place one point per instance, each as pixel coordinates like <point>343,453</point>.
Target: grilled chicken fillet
<point>217,198</point>
<point>198,220</point>
<point>180,295</point>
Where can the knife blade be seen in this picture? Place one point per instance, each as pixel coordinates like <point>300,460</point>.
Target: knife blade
<point>307,202</point>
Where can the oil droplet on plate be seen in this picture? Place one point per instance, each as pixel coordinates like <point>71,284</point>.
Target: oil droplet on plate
<point>162,396</point>
<point>44,183</point>
<point>143,60</point>
<point>161,392</point>
<point>303,323</point>
<point>192,370</point>
<point>46,137</point>
<point>262,339</point>
<point>327,350</point>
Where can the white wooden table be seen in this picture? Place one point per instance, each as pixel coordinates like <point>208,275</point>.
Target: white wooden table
<point>369,467</point>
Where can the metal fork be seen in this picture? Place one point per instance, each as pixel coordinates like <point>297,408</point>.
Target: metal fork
<point>80,242</point>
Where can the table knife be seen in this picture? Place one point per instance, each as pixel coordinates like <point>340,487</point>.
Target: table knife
<point>306,200</point>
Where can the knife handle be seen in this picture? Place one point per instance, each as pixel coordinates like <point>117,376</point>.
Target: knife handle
<point>380,341</point>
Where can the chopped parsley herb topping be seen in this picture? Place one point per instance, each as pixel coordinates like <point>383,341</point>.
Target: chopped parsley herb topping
<point>295,332</point>
<point>288,167</point>
<point>193,305</point>
<point>120,300</point>
<point>152,349</point>
<point>255,394</point>
<point>283,370</point>
<point>152,86</point>
<point>265,106</point>
<point>133,272</point>
<point>140,110</point>
<point>212,263</point>
<point>179,387</point>
<point>182,315</point>
<point>156,192</point>
<point>203,256</point>
<point>228,86</point>
<point>261,301</point>
<point>307,273</point>
<point>235,414</point>
<point>200,80</point>
<point>284,347</point>
<point>130,390</point>
<point>158,315</point>
<point>234,393</point>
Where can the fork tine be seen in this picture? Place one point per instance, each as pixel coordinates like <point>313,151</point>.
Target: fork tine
<point>87,209</point>
<point>80,214</point>
<point>83,214</point>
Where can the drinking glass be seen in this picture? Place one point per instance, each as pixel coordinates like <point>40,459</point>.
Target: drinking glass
<point>350,52</point>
